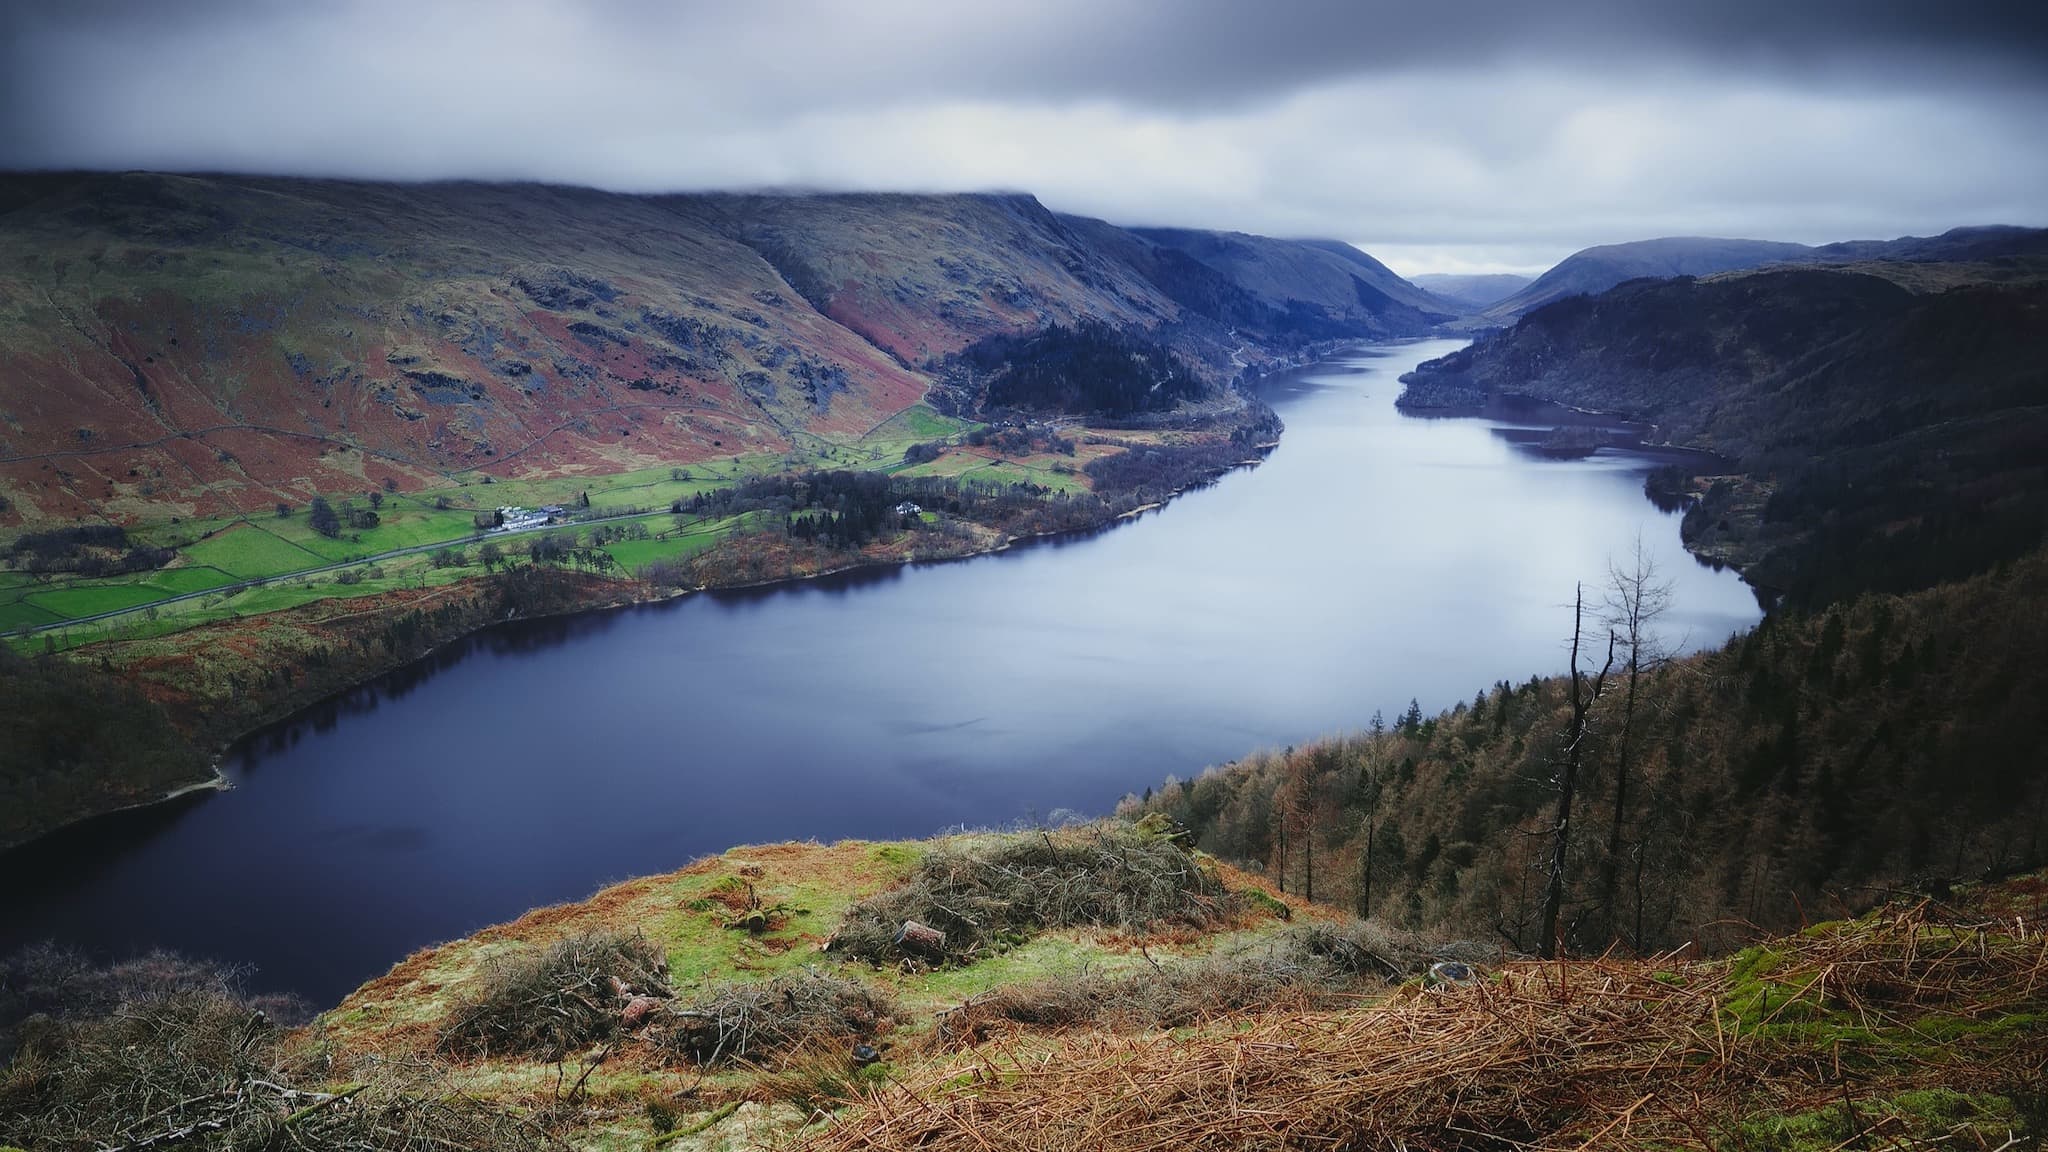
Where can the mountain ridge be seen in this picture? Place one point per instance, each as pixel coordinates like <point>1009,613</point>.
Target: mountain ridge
<point>187,345</point>
<point>1593,270</point>
<point>1910,417</point>
<point>1476,291</point>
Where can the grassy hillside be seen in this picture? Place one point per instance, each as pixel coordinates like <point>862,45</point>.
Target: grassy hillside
<point>181,346</point>
<point>193,346</point>
<point>1096,987</point>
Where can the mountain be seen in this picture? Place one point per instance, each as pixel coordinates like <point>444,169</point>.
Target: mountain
<point>1600,268</point>
<point>1475,292</point>
<point>1968,244</point>
<point>1874,437</point>
<point>1326,279</point>
<point>1597,269</point>
<point>181,346</point>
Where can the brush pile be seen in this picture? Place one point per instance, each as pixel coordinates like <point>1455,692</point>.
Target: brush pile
<point>553,1002</point>
<point>751,1021</point>
<point>164,1053</point>
<point>995,894</point>
<point>1308,968</point>
<point>1900,1029</point>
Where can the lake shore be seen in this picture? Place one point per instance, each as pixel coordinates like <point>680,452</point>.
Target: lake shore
<point>245,708</point>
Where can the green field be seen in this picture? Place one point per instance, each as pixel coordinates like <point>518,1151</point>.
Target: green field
<point>93,599</point>
<point>21,614</point>
<point>249,551</point>
<point>632,554</point>
<point>273,596</point>
<point>190,578</point>
<point>400,527</point>
<point>970,466</point>
<point>227,550</point>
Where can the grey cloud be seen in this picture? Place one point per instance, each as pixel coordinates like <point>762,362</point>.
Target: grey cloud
<point>1468,125</point>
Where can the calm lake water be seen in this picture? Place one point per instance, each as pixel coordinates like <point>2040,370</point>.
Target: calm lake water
<point>1371,559</point>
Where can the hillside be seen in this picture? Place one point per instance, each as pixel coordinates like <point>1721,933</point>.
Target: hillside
<point>1599,268</point>
<point>1594,270</point>
<point>1475,292</point>
<point>201,345</point>
<point>1119,992</point>
<point>1815,758</point>
<point>1878,437</point>
<point>1321,280</point>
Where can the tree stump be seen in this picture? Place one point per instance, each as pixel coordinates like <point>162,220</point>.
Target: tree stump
<point>917,939</point>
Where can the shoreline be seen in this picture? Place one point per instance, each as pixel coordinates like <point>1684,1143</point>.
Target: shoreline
<point>644,596</point>
<point>216,782</point>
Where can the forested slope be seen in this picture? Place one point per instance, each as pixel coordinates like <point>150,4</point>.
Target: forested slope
<point>1884,471</point>
<point>1805,765</point>
<point>1878,437</point>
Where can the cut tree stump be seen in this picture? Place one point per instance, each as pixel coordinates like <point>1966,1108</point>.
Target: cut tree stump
<point>921,940</point>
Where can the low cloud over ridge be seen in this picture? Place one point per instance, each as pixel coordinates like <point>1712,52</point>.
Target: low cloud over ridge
<point>1472,136</point>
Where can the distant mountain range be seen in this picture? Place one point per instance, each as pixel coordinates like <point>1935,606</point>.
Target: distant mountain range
<point>1474,292</point>
<point>177,345</point>
<point>1597,269</point>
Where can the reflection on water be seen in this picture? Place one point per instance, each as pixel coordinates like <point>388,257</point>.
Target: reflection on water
<point>1372,558</point>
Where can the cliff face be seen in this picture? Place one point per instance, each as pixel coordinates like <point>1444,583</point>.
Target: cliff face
<point>194,345</point>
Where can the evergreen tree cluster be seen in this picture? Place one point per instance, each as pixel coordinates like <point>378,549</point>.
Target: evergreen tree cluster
<point>1087,368</point>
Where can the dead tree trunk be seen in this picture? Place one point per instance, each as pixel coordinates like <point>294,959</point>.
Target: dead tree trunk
<point>1635,600</point>
<point>1583,696</point>
<point>1308,848</point>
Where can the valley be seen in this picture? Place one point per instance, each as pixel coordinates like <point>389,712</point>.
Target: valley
<point>1059,674</point>
<point>913,577</point>
<point>1127,504</point>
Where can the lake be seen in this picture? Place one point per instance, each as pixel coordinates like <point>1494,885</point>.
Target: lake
<point>1372,558</point>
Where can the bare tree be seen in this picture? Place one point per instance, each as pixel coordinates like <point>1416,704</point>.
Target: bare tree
<point>1584,695</point>
<point>1368,792</point>
<point>1635,600</point>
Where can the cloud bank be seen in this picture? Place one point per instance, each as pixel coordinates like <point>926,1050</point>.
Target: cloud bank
<point>1468,136</point>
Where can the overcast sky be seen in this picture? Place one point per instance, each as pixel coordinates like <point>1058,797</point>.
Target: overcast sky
<point>1471,135</point>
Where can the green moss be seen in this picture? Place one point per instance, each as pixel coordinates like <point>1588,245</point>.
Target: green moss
<point>1954,1029</point>
<point>1909,1115</point>
<point>897,855</point>
<point>1258,900</point>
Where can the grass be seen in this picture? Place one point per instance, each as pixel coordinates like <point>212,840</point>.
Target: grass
<point>1259,1030</point>
<point>808,889</point>
<point>1595,1053</point>
<point>21,614</point>
<point>249,551</point>
<point>92,599</point>
<point>398,528</point>
<point>224,550</point>
<point>276,595</point>
<point>760,978</point>
<point>993,895</point>
<point>1043,469</point>
<point>632,554</point>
